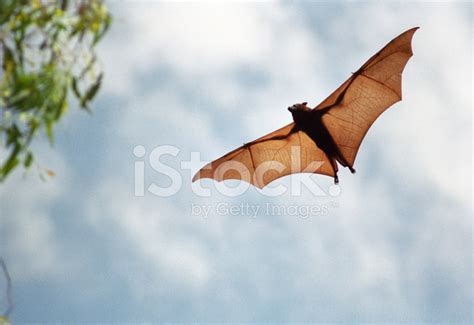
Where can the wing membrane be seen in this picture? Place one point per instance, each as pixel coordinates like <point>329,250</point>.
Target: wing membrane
<point>357,103</point>
<point>272,156</point>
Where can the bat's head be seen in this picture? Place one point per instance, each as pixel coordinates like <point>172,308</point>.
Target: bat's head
<point>298,107</point>
<point>299,112</point>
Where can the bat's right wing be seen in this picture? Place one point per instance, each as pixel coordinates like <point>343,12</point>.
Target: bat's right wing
<point>357,103</point>
<point>280,153</point>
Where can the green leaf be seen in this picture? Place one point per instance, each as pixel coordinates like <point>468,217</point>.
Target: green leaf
<point>8,167</point>
<point>75,88</point>
<point>6,10</point>
<point>49,131</point>
<point>13,135</point>
<point>28,159</point>
<point>92,91</point>
<point>11,162</point>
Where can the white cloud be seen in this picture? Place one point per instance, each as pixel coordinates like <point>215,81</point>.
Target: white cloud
<point>29,235</point>
<point>154,232</point>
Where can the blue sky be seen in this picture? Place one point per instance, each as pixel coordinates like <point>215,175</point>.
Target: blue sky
<point>395,245</point>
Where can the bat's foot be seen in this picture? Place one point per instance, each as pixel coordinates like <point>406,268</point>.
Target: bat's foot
<point>352,170</point>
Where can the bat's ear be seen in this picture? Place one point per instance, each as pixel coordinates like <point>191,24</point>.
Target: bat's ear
<point>304,103</point>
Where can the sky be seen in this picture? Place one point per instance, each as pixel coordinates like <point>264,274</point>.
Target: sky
<point>391,243</point>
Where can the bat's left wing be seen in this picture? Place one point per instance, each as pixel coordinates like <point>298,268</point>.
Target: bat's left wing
<point>272,156</point>
<point>357,103</point>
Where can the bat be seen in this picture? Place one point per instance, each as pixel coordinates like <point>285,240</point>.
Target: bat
<point>330,133</point>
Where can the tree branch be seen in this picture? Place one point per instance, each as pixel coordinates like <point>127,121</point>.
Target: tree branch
<point>9,288</point>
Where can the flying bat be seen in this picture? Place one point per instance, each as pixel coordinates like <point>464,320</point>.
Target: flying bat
<point>330,133</point>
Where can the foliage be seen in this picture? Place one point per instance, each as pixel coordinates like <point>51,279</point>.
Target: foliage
<point>47,55</point>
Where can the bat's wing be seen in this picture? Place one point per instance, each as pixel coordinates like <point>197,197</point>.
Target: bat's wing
<point>272,156</point>
<point>357,103</point>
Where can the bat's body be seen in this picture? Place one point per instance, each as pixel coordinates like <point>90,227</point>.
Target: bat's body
<point>329,133</point>
<point>310,122</point>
